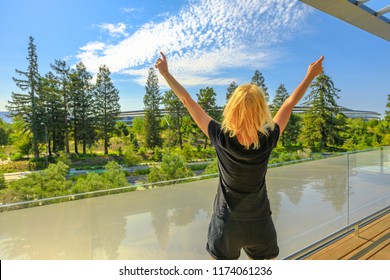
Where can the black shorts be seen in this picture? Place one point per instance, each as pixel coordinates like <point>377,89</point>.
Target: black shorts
<point>227,237</point>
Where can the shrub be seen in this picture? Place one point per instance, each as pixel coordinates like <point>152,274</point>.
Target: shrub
<point>114,175</point>
<point>14,166</point>
<point>16,156</point>
<point>142,151</point>
<point>157,154</point>
<point>198,167</point>
<point>212,167</point>
<point>145,171</point>
<point>47,183</point>
<point>208,153</point>
<point>187,152</point>
<point>75,178</point>
<point>305,153</point>
<point>8,196</point>
<point>130,157</point>
<point>3,156</point>
<point>2,182</point>
<point>120,151</point>
<point>386,140</point>
<point>64,157</point>
<point>172,167</point>
<point>37,164</point>
<point>92,182</point>
<point>93,161</point>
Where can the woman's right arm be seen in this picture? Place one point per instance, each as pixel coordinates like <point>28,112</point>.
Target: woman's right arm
<point>284,113</point>
<point>201,118</point>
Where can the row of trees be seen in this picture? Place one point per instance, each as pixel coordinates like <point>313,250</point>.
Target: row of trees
<point>323,125</point>
<point>178,115</point>
<point>64,102</point>
<point>65,107</point>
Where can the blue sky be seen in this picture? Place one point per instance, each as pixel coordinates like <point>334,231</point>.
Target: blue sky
<point>207,43</point>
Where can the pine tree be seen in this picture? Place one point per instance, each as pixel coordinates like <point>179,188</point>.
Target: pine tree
<point>291,132</point>
<point>82,104</point>
<point>280,96</point>
<point>75,89</point>
<point>25,105</point>
<point>5,130</point>
<point>62,71</point>
<point>176,111</point>
<point>259,81</point>
<point>230,90</point>
<point>54,113</point>
<point>207,99</point>
<point>107,107</point>
<point>321,127</point>
<point>152,100</point>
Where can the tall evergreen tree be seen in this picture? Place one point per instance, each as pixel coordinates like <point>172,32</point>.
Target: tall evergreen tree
<point>26,105</point>
<point>82,104</point>
<point>321,127</point>
<point>62,70</point>
<point>107,107</point>
<point>177,111</point>
<point>259,81</point>
<point>54,113</point>
<point>280,96</point>
<point>5,131</point>
<point>292,130</point>
<point>230,90</point>
<point>75,90</point>
<point>207,99</point>
<point>152,100</point>
<point>387,116</point>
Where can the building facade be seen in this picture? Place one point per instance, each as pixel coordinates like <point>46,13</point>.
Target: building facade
<point>128,116</point>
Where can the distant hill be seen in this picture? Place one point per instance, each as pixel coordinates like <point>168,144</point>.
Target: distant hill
<point>4,117</point>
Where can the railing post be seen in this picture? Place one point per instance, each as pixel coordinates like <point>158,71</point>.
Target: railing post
<point>356,227</point>
<point>381,159</point>
<point>347,188</point>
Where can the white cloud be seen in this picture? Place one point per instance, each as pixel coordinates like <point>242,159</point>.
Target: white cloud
<point>93,46</point>
<point>130,10</point>
<point>205,38</point>
<point>114,30</point>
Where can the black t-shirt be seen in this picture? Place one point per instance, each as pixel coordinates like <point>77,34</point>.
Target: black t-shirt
<point>242,192</point>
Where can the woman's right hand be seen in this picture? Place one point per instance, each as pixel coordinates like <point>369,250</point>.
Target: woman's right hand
<point>315,68</point>
<point>162,64</point>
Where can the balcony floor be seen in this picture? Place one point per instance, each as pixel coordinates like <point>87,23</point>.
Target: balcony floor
<point>309,201</point>
<point>372,243</point>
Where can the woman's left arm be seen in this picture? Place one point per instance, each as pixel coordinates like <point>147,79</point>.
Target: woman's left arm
<point>201,118</point>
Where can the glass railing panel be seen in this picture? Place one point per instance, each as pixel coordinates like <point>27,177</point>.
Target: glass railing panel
<point>309,201</point>
<point>167,222</point>
<point>369,183</point>
<point>164,223</point>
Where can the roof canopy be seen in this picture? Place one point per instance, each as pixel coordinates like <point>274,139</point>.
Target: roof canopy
<point>358,14</point>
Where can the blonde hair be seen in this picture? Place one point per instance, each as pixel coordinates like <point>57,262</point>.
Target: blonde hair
<point>247,114</point>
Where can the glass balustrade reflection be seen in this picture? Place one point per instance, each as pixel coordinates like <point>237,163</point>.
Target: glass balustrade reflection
<point>310,201</point>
